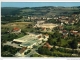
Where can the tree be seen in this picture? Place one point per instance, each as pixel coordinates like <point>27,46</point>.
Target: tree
<point>52,49</point>
<point>74,44</point>
<point>50,40</point>
<point>8,51</point>
<point>54,43</point>
<point>44,50</point>
<point>35,55</point>
<point>59,41</point>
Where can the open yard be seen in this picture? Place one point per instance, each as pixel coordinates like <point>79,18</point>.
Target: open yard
<point>21,25</point>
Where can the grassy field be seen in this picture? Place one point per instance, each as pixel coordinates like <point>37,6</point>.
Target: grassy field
<point>22,25</point>
<point>19,24</point>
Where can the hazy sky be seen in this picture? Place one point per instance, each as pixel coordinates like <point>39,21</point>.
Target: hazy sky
<point>38,4</point>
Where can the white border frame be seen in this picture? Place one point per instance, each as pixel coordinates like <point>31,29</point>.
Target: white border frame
<point>46,58</point>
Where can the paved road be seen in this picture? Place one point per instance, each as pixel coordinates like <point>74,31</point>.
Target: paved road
<point>33,51</point>
<point>11,44</point>
<point>67,48</point>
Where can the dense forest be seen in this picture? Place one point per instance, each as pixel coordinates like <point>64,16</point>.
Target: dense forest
<point>9,10</point>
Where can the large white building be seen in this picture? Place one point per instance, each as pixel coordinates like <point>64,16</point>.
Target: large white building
<point>46,26</point>
<point>30,40</point>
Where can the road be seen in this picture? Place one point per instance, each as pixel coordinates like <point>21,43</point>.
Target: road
<point>11,44</point>
<point>34,50</point>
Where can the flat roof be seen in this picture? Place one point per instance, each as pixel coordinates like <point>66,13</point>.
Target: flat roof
<point>47,25</point>
<point>28,40</point>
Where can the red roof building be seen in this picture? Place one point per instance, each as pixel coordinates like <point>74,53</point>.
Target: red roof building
<point>74,32</point>
<point>47,45</point>
<point>22,50</point>
<point>16,30</point>
<point>39,36</point>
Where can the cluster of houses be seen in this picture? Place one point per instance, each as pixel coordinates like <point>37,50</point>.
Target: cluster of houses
<point>63,19</point>
<point>69,20</point>
<point>67,33</point>
<point>31,40</point>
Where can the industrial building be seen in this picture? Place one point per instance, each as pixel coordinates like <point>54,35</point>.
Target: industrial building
<point>31,40</point>
<point>46,26</point>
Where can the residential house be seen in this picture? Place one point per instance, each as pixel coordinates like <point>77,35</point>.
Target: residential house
<point>47,45</point>
<point>40,22</point>
<point>21,52</point>
<point>78,46</point>
<point>73,32</point>
<point>65,33</point>
<point>45,36</point>
<point>60,27</point>
<point>56,18</point>
<point>49,18</point>
<point>16,30</point>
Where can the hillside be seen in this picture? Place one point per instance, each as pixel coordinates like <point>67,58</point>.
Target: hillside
<point>9,10</point>
<point>40,11</point>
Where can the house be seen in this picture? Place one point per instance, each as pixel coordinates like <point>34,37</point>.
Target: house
<point>78,46</point>
<point>66,22</point>
<point>74,54</point>
<point>39,36</point>
<point>40,22</point>
<point>63,17</point>
<point>21,52</point>
<point>64,33</point>
<point>78,33</point>
<point>43,29</point>
<point>16,30</point>
<point>47,45</point>
<point>46,35</point>
<point>71,21</point>
<point>60,27</point>
<point>49,18</point>
<point>55,17</point>
<point>73,32</point>
<point>43,37</point>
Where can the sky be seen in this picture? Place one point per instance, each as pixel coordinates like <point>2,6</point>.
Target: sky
<point>38,4</point>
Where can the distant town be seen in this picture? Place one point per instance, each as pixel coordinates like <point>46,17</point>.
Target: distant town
<point>40,32</point>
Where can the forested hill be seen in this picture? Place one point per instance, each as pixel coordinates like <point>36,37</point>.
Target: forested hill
<point>40,11</point>
<point>9,10</point>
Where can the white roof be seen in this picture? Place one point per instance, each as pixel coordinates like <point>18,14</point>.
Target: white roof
<point>29,40</point>
<point>48,25</point>
<point>17,40</point>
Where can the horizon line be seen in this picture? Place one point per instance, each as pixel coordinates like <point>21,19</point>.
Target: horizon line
<point>39,6</point>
